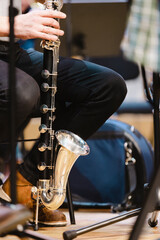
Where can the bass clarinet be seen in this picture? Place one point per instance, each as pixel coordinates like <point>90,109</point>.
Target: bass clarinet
<point>60,149</point>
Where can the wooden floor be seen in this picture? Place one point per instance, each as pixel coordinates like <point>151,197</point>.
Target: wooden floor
<point>117,231</point>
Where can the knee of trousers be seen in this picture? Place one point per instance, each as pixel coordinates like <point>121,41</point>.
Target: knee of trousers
<point>114,87</point>
<point>27,95</point>
<point>119,87</point>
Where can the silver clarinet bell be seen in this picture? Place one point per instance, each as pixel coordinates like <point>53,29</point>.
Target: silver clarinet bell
<point>72,146</point>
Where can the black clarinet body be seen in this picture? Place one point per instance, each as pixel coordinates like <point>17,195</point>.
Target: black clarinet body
<point>46,136</point>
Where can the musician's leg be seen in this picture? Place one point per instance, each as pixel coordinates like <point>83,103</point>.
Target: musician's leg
<point>28,95</point>
<point>94,93</point>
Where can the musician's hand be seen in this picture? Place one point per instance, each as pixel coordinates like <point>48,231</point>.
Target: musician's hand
<point>38,24</point>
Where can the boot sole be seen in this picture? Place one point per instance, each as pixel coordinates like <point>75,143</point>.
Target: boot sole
<point>49,224</point>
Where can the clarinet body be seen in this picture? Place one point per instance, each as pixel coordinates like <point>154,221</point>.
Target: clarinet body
<point>59,150</point>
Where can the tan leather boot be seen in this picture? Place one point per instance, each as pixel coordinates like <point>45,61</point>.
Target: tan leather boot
<point>46,216</point>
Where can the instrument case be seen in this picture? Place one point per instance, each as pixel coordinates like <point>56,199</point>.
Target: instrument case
<point>116,171</point>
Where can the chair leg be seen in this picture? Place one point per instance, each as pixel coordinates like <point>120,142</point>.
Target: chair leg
<point>70,204</point>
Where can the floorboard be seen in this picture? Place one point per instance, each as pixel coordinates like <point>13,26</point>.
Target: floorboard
<point>118,231</point>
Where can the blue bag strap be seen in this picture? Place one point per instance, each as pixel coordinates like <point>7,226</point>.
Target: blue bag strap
<point>132,179</point>
<point>130,164</point>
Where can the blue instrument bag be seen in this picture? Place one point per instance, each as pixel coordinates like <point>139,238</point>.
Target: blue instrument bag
<point>115,172</point>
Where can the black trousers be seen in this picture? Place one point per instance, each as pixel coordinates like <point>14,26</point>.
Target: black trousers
<point>93,92</point>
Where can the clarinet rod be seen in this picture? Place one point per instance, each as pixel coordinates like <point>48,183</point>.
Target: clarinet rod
<point>74,233</point>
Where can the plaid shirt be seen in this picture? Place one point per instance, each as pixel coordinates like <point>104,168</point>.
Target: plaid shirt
<point>141,41</point>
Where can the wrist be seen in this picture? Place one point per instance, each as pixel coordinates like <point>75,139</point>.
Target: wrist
<point>4,26</point>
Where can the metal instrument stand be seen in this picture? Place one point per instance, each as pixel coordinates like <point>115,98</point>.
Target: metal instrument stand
<point>74,233</point>
<point>12,101</point>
